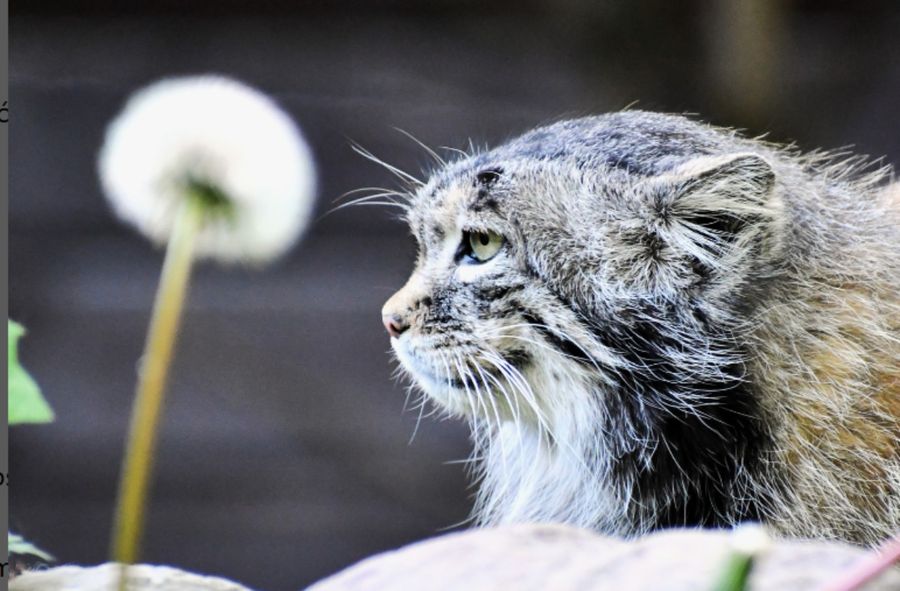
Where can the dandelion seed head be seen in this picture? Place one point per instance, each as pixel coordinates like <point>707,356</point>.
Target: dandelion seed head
<point>750,539</point>
<point>218,134</point>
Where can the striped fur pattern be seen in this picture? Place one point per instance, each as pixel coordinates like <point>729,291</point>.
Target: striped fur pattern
<point>682,327</point>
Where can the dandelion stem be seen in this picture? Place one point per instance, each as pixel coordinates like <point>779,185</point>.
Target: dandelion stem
<point>138,462</point>
<point>748,542</point>
<point>735,574</point>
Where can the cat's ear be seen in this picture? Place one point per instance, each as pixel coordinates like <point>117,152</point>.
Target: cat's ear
<point>717,200</point>
<point>719,196</point>
<point>717,210</point>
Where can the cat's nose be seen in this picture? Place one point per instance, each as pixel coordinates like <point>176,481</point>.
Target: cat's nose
<point>395,315</point>
<point>394,324</point>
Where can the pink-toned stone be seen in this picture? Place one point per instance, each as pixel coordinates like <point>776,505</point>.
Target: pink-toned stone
<point>562,558</point>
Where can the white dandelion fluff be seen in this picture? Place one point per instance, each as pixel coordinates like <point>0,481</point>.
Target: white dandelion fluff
<point>750,539</point>
<point>218,138</point>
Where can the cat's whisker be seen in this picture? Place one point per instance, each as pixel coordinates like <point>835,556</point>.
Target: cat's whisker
<point>511,380</point>
<point>548,439</point>
<point>418,421</point>
<point>437,157</point>
<point>515,378</point>
<point>397,374</point>
<point>420,404</point>
<point>486,398</point>
<point>409,390</point>
<point>384,196</point>
<point>512,402</point>
<point>457,151</point>
<point>546,434</point>
<point>377,199</point>
<point>482,436</point>
<point>401,174</point>
<point>474,403</point>
<point>529,341</point>
<point>393,204</point>
<point>562,334</point>
<point>486,395</point>
<point>384,190</point>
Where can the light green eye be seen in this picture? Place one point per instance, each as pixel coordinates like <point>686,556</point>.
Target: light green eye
<point>480,247</point>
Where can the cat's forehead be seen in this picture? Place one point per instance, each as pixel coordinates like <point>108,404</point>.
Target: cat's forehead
<point>615,150</point>
<point>443,203</point>
<point>482,185</point>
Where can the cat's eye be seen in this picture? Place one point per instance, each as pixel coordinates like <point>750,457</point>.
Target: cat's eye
<point>480,247</point>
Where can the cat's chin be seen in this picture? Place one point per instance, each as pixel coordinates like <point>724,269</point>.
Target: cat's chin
<point>451,399</point>
<point>448,392</point>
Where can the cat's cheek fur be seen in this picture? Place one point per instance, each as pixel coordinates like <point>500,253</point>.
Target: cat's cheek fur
<point>541,474</point>
<point>472,272</point>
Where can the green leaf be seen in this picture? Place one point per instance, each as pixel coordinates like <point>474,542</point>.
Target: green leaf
<point>18,545</point>
<point>26,405</point>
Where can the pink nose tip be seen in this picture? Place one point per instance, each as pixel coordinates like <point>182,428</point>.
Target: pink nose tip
<point>394,324</point>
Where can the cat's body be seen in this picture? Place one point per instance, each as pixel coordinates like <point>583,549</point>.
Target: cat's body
<point>652,322</point>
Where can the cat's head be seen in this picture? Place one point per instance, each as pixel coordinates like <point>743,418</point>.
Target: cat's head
<point>583,252</point>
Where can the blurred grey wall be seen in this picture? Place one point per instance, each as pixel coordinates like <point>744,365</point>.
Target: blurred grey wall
<point>285,453</point>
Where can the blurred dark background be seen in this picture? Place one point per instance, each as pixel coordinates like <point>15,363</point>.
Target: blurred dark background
<point>285,453</point>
